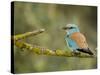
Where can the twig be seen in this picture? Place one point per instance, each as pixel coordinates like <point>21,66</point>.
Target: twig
<point>28,34</point>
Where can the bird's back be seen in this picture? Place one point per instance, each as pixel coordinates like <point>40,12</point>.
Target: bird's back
<point>80,39</point>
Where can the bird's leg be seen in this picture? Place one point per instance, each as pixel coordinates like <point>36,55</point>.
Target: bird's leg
<point>76,53</point>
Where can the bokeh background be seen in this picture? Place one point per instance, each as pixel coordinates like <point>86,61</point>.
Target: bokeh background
<point>52,17</point>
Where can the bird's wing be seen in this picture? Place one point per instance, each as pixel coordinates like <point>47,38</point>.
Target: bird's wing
<point>80,39</point>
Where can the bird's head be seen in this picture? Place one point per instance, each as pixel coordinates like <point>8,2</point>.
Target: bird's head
<point>70,28</point>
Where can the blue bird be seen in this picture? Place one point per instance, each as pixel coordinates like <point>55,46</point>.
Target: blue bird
<point>76,40</point>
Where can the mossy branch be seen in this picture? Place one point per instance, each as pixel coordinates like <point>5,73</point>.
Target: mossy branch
<point>27,34</point>
<point>42,51</point>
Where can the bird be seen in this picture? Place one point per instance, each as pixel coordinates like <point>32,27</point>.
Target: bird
<point>75,40</point>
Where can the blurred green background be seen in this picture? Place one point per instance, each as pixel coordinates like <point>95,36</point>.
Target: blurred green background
<point>52,17</point>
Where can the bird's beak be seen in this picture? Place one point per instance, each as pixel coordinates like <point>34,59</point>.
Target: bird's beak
<point>65,28</point>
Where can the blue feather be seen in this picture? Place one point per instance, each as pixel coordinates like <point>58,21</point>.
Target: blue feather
<point>71,43</point>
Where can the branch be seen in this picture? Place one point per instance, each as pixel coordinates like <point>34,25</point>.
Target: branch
<point>43,51</point>
<point>28,34</point>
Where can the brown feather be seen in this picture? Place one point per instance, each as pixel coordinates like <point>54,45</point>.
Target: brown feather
<point>80,39</point>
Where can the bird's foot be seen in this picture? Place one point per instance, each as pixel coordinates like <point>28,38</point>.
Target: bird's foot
<point>75,53</point>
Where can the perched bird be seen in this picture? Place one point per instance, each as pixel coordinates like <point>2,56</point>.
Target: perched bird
<point>76,40</point>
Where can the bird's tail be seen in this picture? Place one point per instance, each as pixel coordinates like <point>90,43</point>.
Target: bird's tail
<point>86,51</point>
